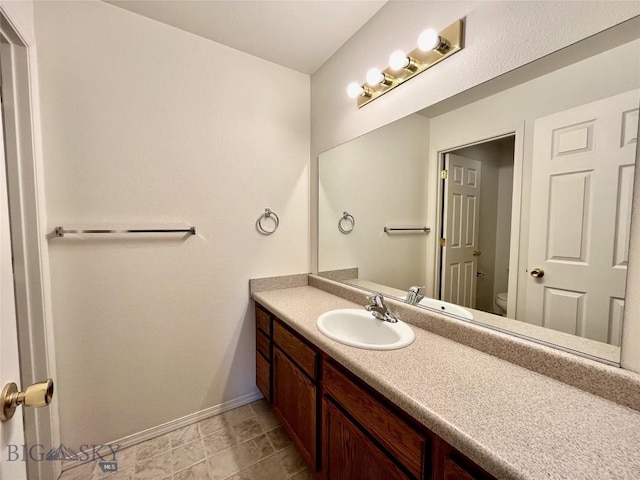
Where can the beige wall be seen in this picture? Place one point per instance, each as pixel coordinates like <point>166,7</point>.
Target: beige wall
<point>146,125</point>
<point>362,177</point>
<point>499,37</point>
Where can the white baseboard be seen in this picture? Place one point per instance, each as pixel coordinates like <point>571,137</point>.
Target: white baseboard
<point>190,419</point>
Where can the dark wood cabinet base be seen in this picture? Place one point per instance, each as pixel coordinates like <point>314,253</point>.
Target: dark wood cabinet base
<point>342,427</point>
<point>294,401</point>
<point>349,454</point>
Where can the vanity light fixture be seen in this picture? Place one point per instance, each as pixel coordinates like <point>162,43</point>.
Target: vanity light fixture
<point>355,90</point>
<point>430,40</point>
<point>433,47</point>
<point>375,77</point>
<point>399,60</point>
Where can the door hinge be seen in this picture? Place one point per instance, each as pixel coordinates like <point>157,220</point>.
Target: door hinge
<point>444,174</point>
<point>443,242</point>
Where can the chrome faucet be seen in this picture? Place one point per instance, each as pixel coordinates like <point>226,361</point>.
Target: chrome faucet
<point>414,296</point>
<point>378,309</point>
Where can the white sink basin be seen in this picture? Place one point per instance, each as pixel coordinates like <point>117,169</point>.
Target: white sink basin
<point>446,307</point>
<point>358,328</point>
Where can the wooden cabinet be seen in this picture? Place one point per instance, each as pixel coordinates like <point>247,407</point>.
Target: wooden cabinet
<point>303,355</point>
<point>294,400</point>
<point>454,471</point>
<point>263,376</point>
<point>263,352</point>
<point>349,454</point>
<point>364,436</point>
<point>449,464</point>
<point>286,370</point>
<point>295,393</point>
<point>404,443</point>
<point>263,321</point>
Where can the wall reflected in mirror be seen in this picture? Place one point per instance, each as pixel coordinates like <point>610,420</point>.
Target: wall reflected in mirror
<point>526,194</point>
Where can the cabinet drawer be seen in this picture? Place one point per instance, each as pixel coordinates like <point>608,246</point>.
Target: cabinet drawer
<point>263,344</point>
<point>395,434</point>
<point>299,352</point>
<point>263,321</point>
<point>263,376</point>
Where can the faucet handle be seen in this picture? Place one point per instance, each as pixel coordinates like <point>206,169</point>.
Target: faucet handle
<point>377,299</point>
<point>414,296</point>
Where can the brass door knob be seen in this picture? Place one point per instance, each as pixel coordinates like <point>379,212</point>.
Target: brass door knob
<point>37,395</point>
<point>537,273</point>
<point>477,253</point>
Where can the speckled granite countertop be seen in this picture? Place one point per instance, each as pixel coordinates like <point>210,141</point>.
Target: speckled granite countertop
<point>513,422</point>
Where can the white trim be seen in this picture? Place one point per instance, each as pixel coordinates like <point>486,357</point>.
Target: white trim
<point>515,256</point>
<point>172,425</point>
<point>187,420</point>
<point>28,222</point>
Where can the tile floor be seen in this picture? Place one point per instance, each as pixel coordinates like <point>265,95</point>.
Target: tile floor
<point>247,443</point>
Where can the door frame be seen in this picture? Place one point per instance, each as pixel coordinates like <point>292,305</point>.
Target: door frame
<point>436,197</point>
<point>25,182</point>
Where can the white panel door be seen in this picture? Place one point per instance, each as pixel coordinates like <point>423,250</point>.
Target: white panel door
<point>582,185</point>
<point>12,431</point>
<point>461,223</point>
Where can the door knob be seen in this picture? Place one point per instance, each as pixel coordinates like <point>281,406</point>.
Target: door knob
<point>537,273</point>
<point>477,253</point>
<point>37,395</point>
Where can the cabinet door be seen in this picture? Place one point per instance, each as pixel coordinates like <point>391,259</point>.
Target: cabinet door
<point>350,454</point>
<point>454,471</point>
<point>263,376</point>
<point>407,445</point>
<point>294,400</point>
<point>449,464</point>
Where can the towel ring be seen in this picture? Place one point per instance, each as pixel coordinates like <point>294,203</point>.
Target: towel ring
<point>267,214</point>
<point>351,223</point>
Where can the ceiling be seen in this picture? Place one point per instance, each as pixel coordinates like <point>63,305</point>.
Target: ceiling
<point>299,34</point>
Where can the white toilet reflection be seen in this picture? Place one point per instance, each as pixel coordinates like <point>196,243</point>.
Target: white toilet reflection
<point>501,303</point>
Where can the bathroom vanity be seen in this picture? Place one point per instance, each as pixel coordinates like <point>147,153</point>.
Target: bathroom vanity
<point>342,427</point>
<point>436,409</point>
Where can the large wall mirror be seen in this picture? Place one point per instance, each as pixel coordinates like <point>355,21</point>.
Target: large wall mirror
<point>508,205</point>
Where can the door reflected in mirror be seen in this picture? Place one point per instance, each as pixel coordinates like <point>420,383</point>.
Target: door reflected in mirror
<point>477,185</point>
<point>526,194</point>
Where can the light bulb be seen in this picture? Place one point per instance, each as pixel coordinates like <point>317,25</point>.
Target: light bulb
<point>429,40</point>
<point>354,90</point>
<point>374,77</point>
<point>399,60</point>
